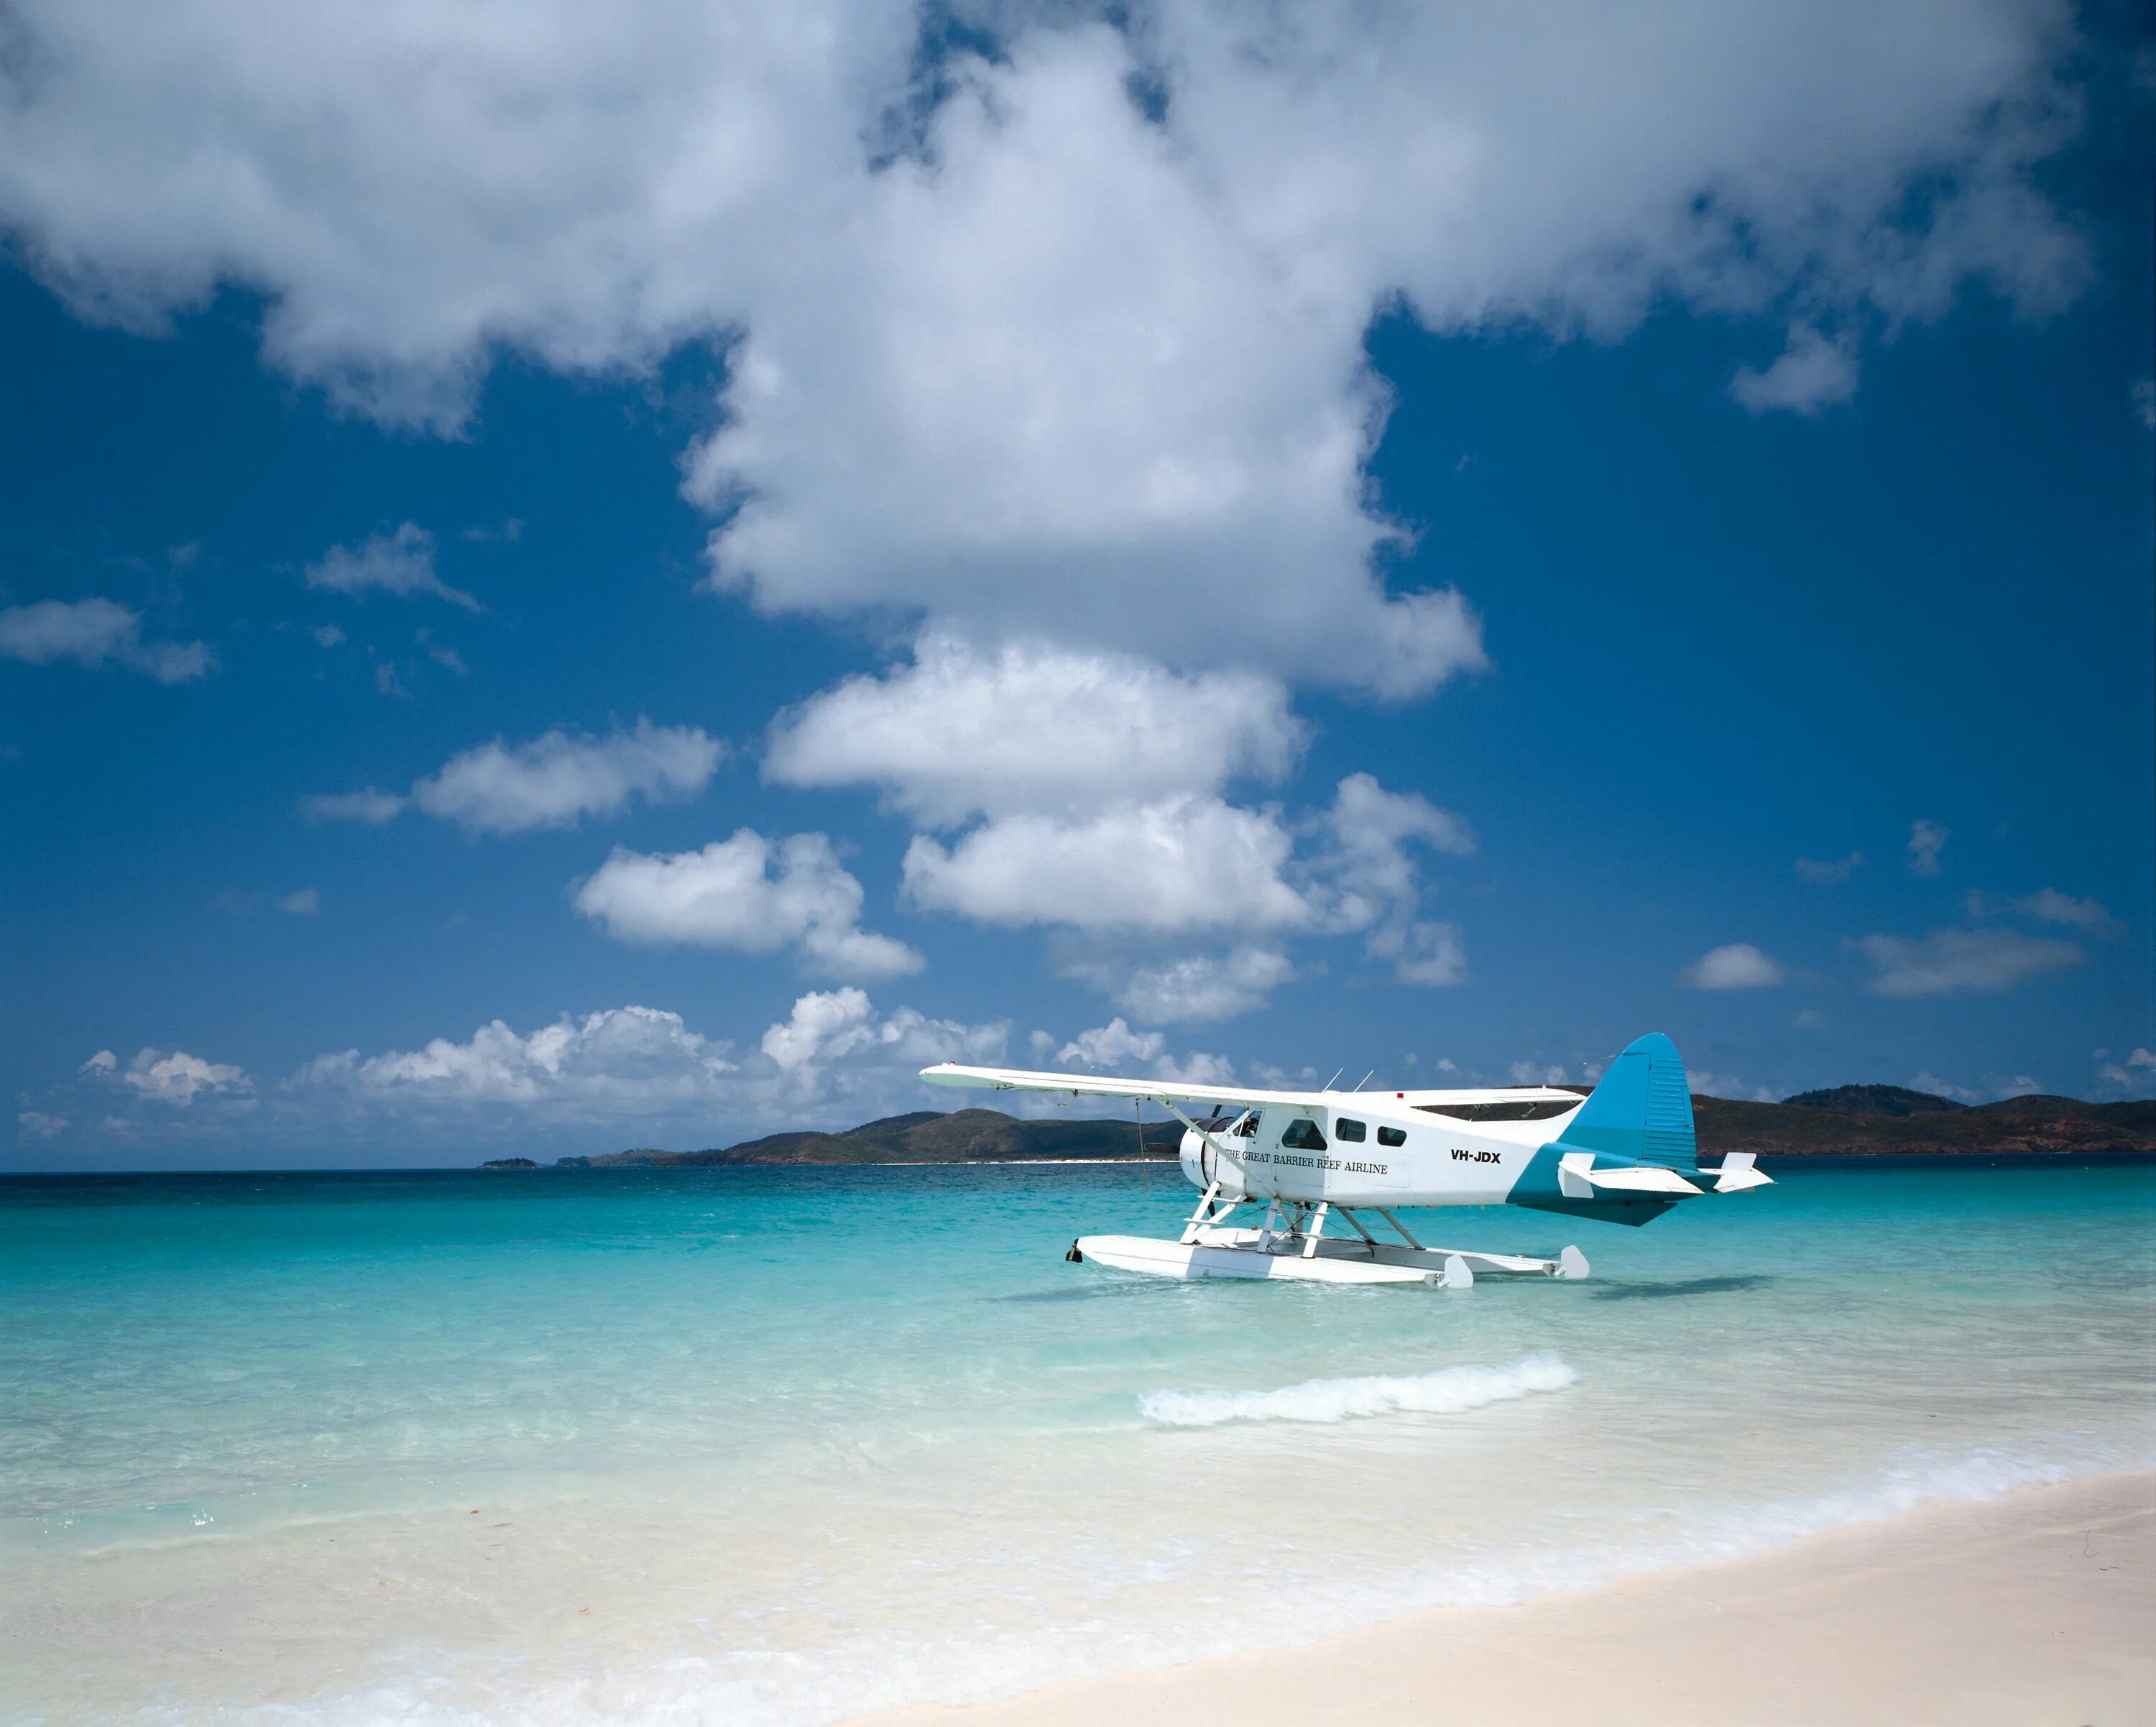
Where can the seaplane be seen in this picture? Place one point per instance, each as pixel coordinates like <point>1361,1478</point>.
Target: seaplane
<point>1624,1153</point>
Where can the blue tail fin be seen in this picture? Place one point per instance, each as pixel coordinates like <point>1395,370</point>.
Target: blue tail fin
<point>1640,1110</point>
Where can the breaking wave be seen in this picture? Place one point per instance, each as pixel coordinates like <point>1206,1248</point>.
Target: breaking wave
<point>1449,1390</point>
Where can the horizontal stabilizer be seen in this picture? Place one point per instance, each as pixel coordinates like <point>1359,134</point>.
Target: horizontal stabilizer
<point>1578,1178</point>
<point>1739,1170</point>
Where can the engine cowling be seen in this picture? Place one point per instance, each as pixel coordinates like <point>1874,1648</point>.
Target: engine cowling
<point>1203,1165</point>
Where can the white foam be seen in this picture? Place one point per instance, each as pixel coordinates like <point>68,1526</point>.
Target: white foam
<point>1449,1390</point>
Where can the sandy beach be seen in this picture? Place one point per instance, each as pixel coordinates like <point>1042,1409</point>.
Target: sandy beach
<point>2037,1608</point>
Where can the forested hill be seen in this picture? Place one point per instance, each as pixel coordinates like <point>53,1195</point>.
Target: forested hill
<point>1860,1120</point>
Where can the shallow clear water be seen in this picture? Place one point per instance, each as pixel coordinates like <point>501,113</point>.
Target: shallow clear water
<point>778,1446</point>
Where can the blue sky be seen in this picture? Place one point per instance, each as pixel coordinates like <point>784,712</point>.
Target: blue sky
<point>535,620</point>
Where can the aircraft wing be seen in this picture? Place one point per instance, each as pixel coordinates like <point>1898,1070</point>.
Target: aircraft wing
<point>1087,1085</point>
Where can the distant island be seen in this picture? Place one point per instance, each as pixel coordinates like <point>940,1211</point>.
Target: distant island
<point>1863,1120</point>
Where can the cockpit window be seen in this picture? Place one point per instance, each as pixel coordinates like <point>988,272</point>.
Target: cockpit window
<point>1302,1135</point>
<point>1247,1126</point>
<point>1346,1127</point>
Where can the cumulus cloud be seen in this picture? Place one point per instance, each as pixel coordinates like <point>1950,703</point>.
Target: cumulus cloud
<point>2137,1072</point>
<point>1116,1047</point>
<point>748,893</point>
<point>175,1078</point>
<point>1737,965</point>
<point>1185,863</point>
<point>1195,986</point>
<point>97,632</point>
<point>834,1042</point>
<point>1187,866</point>
<point>1829,871</point>
<point>1813,374</point>
<point>399,563</point>
<point>558,778</point>
<point>834,1060</point>
<point>626,1062</point>
<point>963,731</point>
<point>2047,905</point>
<point>39,1124</point>
<point>1366,877</point>
<point>992,317</point>
<point>305,901</point>
<point>1962,962</point>
<point>1927,840</point>
<point>554,781</point>
<point>1105,1045</point>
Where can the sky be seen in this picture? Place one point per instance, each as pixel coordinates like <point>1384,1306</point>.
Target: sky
<point>571,580</point>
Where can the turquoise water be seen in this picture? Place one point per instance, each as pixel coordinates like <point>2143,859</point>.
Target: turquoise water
<point>781,1446</point>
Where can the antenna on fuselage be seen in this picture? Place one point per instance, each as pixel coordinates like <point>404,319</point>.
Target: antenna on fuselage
<point>1364,1080</point>
<point>1336,1072</point>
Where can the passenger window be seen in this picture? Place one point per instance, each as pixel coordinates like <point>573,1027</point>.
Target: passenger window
<point>1302,1135</point>
<point>1392,1136</point>
<point>1344,1128</point>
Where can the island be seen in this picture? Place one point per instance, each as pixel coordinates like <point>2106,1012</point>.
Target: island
<point>1850,1120</point>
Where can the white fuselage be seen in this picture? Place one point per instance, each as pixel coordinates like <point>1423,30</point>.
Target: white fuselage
<point>1404,1154</point>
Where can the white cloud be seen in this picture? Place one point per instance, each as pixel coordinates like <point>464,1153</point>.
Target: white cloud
<point>834,1060</point>
<point>1535,1073</point>
<point>39,1124</point>
<point>552,782</point>
<point>1185,863</point>
<point>2136,1072</point>
<point>834,1046</point>
<point>1196,986</point>
<point>1197,1068</point>
<point>1706,1083</point>
<point>749,893</point>
<point>1114,1047</point>
<point>1812,374</point>
<point>1829,871</point>
<point>90,632</point>
<point>1962,962</point>
<point>1041,387</point>
<point>1927,840</point>
<point>999,353</point>
<point>558,778</point>
<point>1189,864</point>
<point>370,807</point>
<point>1930,1082</point>
<point>327,635</point>
<point>1366,877</point>
<point>962,731</point>
<point>305,902</point>
<point>1106,1046</point>
<point>2047,905</point>
<point>399,563</point>
<point>1737,965</point>
<point>622,1061</point>
<point>1424,952</point>
<point>176,1078</point>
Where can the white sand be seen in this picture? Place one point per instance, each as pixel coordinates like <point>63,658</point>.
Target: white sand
<point>2035,1609</point>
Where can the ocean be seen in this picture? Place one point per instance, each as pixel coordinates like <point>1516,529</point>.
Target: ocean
<point>781,1446</point>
